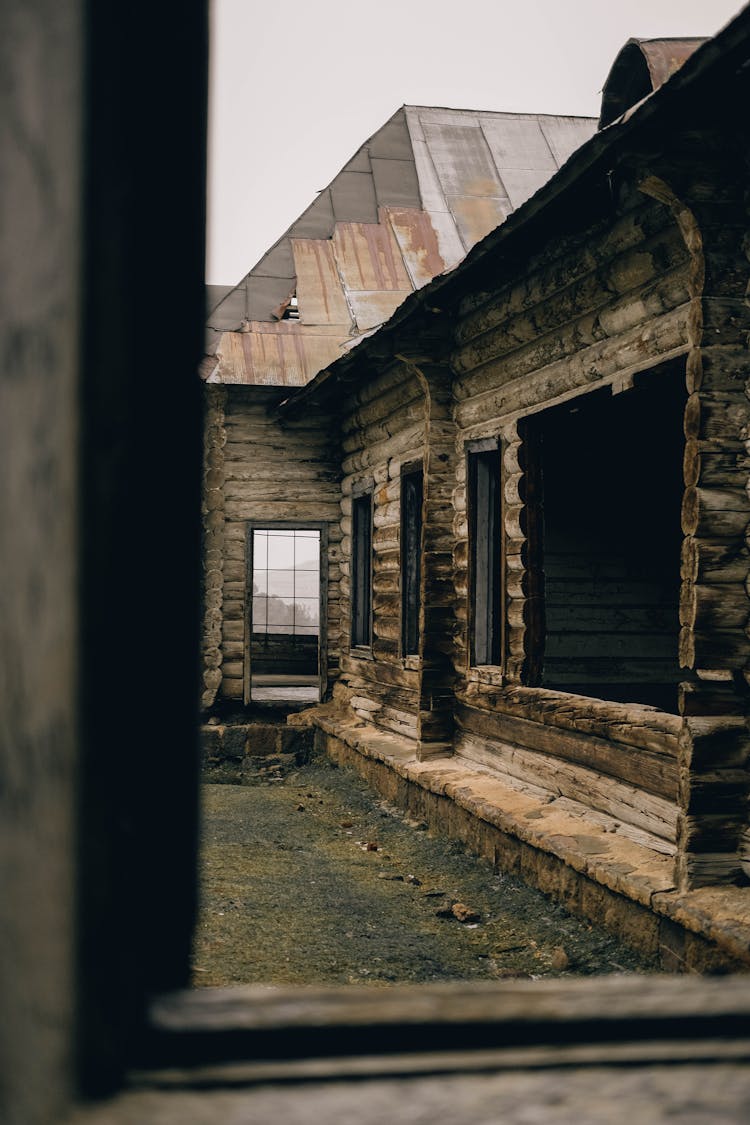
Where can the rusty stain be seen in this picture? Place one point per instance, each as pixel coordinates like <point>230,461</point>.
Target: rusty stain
<point>665,56</point>
<point>320,296</point>
<point>642,66</point>
<point>476,217</point>
<point>418,241</point>
<point>368,257</point>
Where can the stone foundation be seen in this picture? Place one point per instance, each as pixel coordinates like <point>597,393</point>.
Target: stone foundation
<point>630,894</point>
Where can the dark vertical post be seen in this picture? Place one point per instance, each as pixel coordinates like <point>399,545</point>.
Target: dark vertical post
<point>361,577</point>
<point>411,559</point>
<point>144,194</point>
<point>485,536</point>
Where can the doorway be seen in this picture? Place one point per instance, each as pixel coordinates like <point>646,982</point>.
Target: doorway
<point>284,659</point>
<point>607,537</point>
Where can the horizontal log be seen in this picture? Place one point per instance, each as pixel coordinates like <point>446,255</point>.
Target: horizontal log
<point>398,422</point>
<point>404,400</point>
<point>710,834</point>
<point>284,492</point>
<point>518,386</point>
<point>646,811</point>
<point>388,675</point>
<point>612,646</point>
<point>554,330</point>
<point>717,367</point>
<point>708,469</point>
<point>726,319</point>
<point>656,773</point>
<point>715,513</point>
<point>714,607</point>
<point>268,471</point>
<point>719,792</point>
<point>562,267</point>
<point>407,444</point>
<point>717,415</point>
<point>307,511</point>
<point>630,723</point>
<point>705,699</point>
<point>609,617</point>
<point>710,870</point>
<point>710,742</point>
<point>599,674</point>
<point>368,390</point>
<point>714,563</point>
<point>269,445</point>
<point>231,687</point>
<point>719,650</point>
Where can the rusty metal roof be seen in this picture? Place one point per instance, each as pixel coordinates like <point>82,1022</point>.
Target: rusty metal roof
<point>725,52</point>
<point>408,206</point>
<point>642,66</point>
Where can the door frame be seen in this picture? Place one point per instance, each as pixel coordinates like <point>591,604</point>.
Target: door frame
<point>321,527</point>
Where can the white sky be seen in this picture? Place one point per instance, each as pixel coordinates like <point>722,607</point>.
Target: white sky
<point>297,87</point>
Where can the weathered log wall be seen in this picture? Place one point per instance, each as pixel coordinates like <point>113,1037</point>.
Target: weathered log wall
<point>640,272</point>
<point>589,310</point>
<point>666,279</point>
<point>276,472</point>
<point>703,182</point>
<point>383,428</point>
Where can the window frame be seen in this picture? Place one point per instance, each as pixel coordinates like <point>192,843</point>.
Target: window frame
<point>411,539</point>
<point>362,570</point>
<point>486,605</point>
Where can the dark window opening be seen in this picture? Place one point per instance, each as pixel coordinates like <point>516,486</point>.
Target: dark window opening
<point>291,312</point>
<point>606,540</point>
<point>362,570</point>
<point>284,574</point>
<point>411,558</point>
<point>485,545</point>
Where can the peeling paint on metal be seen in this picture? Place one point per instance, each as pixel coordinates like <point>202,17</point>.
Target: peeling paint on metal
<point>418,243</point>
<point>368,257</point>
<point>319,291</point>
<point>375,308</point>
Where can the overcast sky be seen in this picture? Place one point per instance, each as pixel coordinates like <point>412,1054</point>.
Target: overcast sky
<point>297,87</point>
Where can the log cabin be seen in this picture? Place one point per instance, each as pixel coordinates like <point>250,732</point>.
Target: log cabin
<point>98,867</point>
<point>531,488</point>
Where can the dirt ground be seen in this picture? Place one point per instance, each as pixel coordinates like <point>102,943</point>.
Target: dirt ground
<point>312,879</point>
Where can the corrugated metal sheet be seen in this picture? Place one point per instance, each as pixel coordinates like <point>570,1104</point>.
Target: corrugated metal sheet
<point>409,205</point>
<point>418,244</point>
<point>475,216</point>
<point>642,66</point>
<point>319,290</point>
<point>369,257</point>
<point>665,56</point>
<point>371,309</point>
<point>279,358</point>
<point>354,199</point>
